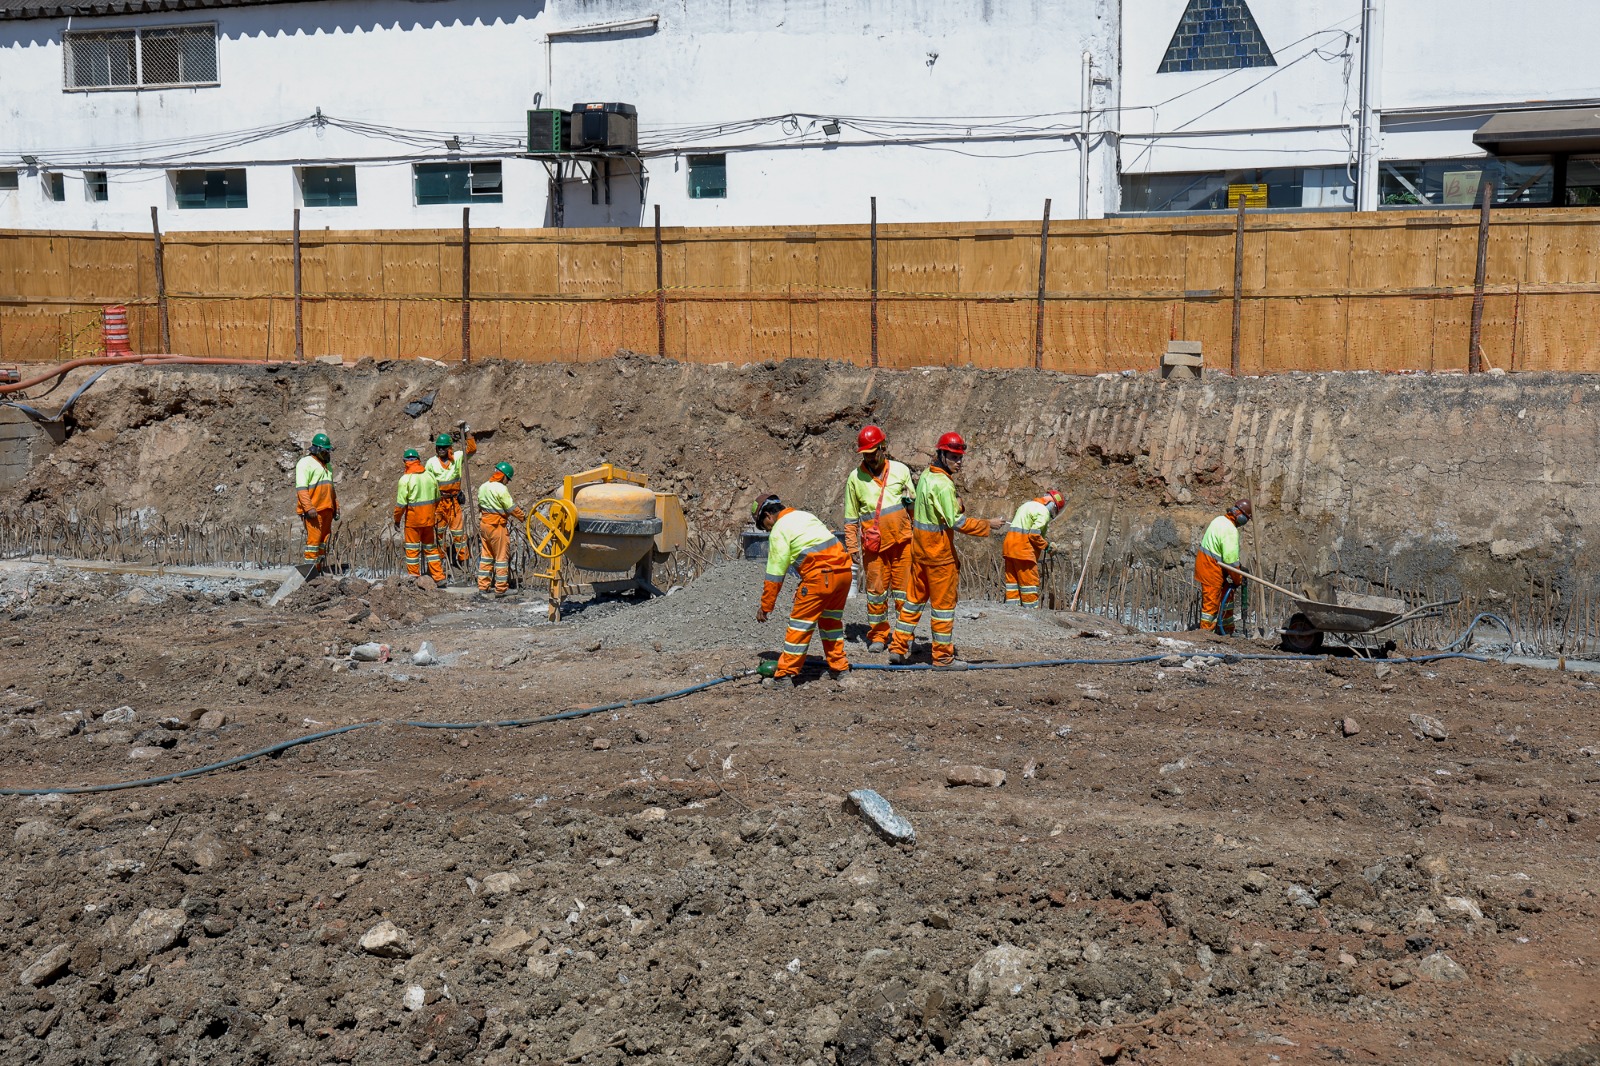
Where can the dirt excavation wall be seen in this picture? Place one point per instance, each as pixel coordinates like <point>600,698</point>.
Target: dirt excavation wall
<point>1482,487</point>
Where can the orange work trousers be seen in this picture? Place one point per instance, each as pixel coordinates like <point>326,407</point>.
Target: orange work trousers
<point>1022,581</point>
<point>888,573</point>
<point>494,561</point>
<point>420,545</point>
<point>319,527</point>
<point>819,604</point>
<point>1214,584</point>
<point>932,586</point>
<point>452,533</point>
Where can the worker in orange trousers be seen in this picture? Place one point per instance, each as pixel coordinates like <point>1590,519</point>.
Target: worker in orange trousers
<point>416,506</point>
<point>936,518</point>
<point>1219,549</point>
<point>446,466</point>
<point>877,525</point>
<point>315,499</point>
<point>799,539</point>
<point>496,509</point>
<point>1024,547</point>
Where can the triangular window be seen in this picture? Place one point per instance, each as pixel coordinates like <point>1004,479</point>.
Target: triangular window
<point>1216,35</point>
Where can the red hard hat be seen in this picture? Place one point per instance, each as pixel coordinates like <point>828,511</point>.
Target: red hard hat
<point>952,443</point>
<point>869,438</point>
<point>1056,498</point>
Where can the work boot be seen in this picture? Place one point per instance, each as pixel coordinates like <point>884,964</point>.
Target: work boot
<point>953,664</point>
<point>839,675</point>
<point>783,684</point>
<point>877,646</point>
<point>896,659</point>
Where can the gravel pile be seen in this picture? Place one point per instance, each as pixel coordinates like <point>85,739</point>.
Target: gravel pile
<point>716,610</point>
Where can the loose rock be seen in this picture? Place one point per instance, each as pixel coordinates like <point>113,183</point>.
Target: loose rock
<point>154,931</point>
<point>1350,727</point>
<point>388,941</point>
<point>976,776</point>
<point>878,811</point>
<point>47,967</point>
<point>1002,971</point>
<point>1429,726</point>
<point>1441,967</point>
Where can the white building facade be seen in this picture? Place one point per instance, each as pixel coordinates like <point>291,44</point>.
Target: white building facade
<point>370,114</point>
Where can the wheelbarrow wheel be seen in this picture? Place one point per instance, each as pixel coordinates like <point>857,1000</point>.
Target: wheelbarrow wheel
<point>1301,637</point>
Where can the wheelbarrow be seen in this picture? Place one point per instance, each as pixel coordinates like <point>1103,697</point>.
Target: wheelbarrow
<point>1350,615</point>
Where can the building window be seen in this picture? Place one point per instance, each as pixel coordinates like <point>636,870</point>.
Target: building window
<point>96,186</point>
<point>8,180</point>
<point>1216,35</point>
<point>158,57</point>
<point>1583,181</point>
<point>457,183</point>
<point>196,189</point>
<point>55,186</point>
<point>708,177</point>
<point>1522,180</point>
<point>328,186</point>
<point>1282,187</point>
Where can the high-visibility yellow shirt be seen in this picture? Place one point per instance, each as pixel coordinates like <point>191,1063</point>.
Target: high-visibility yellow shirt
<point>448,475</point>
<point>416,488</point>
<point>936,509</point>
<point>1221,541</point>
<point>1031,517</point>
<point>495,498</point>
<point>313,485</point>
<point>793,535</point>
<point>861,491</point>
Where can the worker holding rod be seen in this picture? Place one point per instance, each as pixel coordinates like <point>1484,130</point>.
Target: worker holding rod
<point>1216,567</point>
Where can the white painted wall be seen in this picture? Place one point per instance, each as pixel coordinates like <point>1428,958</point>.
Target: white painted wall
<point>473,67</point>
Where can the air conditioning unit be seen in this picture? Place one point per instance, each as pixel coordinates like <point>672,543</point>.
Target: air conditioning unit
<point>549,131</point>
<point>605,127</point>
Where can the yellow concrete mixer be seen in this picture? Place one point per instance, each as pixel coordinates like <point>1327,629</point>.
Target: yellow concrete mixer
<point>610,521</point>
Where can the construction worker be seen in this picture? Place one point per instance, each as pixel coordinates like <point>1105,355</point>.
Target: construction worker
<point>495,511</point>
<point>446,467</point>
<point>1024,547</point>
<point>935,568</point>
<point>416,505</point>
<point>315,500</point>
<point>1219,548</point>
<point>800,539</point>
<point>877,526</point>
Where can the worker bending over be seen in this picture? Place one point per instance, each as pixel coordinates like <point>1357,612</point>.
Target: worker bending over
<point>495,512</point>
<point>799,539</point>
<point>936,518</point>
<point>1219,548</point>
<point>416,505</point>
<point>877,525</point>
<point>446,468</point>
<point>1024,547</point>
<point>315,500</point>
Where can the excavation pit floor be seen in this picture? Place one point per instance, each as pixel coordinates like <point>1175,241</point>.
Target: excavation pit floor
<point>1247,861</point>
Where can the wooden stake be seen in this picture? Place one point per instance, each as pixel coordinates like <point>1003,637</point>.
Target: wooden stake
<point>466,284</point>
<point>1084,572</point>
<point>1475,340</point>
<point>1044,263</point>
<point>661,294</point>
<point>874,281</point>
<point>161,285</point>
<point>299,319</point>
<point>1238,286</point>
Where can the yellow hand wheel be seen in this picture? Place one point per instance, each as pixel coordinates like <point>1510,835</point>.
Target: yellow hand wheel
<point>556,521</point>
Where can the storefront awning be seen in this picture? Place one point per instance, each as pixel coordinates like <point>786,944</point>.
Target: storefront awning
<point>1541,132</point>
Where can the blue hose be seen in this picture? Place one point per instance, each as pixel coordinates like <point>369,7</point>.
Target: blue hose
<point>506,723</point>
<point>1451,651</point>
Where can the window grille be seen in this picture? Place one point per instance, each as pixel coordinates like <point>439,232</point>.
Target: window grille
<point>1216,35</point>
<point>158,57</point>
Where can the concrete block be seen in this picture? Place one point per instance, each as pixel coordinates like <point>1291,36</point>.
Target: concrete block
<point>1182,359</point>
<point>1180,373</point>
<point>1184,347</point>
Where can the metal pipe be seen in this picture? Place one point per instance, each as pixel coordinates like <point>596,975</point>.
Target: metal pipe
<point>1083,135</point>
<point>1044,263</point>
<point>1475,337</point>
<point>1367,113</point>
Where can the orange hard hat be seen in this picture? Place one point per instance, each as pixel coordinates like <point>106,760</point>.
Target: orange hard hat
<point>951,442</point>
<point>869,438</point>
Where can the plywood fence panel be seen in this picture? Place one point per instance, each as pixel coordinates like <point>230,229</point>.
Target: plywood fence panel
<point>1393,331</point>
<point>918,332</point>
<point>844,278</point>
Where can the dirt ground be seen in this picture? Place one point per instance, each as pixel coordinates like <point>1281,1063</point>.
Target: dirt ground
<point>1184,864</point>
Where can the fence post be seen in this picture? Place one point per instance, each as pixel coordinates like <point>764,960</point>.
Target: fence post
<point>1475,341</point>
<point>161,285</point>
<point>1044,262</point>
<point>299,320</point>
<point>661,295</point>
<point>466,284</point>
<point>1238,285</point>
<point>874,281</point>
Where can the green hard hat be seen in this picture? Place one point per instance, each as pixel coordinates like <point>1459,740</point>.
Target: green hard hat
<point>505,468</point>
<point>443,440</point>
<point>321,443</point>
<point>411,453</point>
